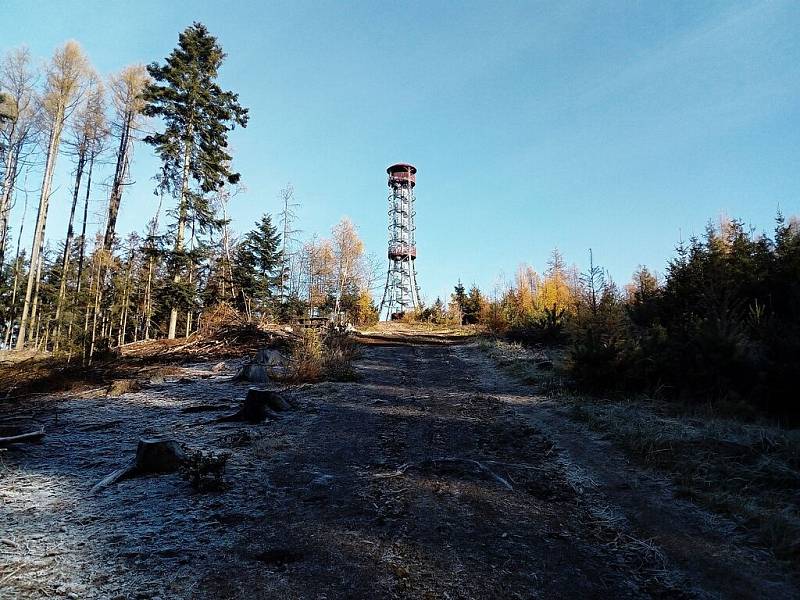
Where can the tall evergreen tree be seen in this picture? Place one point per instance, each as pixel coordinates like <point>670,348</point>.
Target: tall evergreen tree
<point>473,305</point>
<point>197,115</point>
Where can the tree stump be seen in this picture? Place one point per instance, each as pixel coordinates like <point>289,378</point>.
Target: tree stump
<point>258,370</point>
<point>253,372</point>
<point>158,455</point>
<point>271,358</point>
<point>153,455</point>
<point>258,405</point>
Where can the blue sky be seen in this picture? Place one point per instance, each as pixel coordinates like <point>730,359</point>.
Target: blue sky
<point>619,126</point>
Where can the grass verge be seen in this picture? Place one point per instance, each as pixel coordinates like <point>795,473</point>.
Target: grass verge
<point>749,471</point>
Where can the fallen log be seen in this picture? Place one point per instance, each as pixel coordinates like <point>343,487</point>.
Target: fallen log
<point>115,476</point>
<point>22,438</point>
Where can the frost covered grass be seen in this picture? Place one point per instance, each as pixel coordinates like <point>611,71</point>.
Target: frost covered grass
<point>749,471</point>
<point>536,366</point>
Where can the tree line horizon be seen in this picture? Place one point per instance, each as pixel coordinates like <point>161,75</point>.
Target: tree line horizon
<point>93,291</point>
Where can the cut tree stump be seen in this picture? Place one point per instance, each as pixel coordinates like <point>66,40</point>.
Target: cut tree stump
<point>33,436</point>
<point>265,362</point>
<point>253,372</point>
<point>159,455</point>
<point>153,455</point>
<point>271,358</point>
<point>258,405</point>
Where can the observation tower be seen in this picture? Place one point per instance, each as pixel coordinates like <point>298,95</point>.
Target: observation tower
<point>401,293</point>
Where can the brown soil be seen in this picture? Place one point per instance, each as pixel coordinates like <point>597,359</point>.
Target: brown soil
<point>433,476</point>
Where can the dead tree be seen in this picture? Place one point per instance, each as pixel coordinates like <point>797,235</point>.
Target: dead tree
<point>287,218</point>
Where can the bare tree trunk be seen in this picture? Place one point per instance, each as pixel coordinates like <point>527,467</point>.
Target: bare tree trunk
<point>191,279</point>
<point>182,211</point>
<point>121,171</point>
<point>148,290</point>
<point>62,290</point>
<point>86,319</point>
<point>98,287</point>
<point>9,179</point>
<point>35,305</point>
<point>148,300</point>
<point>226,246</point>
<point>123,314</point>
<point>17,271</point>
<point>82,254</point>
<point>46,334</point>
<point>38,235</point>
<point>34,330</point>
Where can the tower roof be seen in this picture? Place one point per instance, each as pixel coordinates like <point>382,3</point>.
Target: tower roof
<point>401,167</point>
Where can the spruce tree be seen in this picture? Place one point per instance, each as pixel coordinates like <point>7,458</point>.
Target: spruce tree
<point>459,296</point>
<point>472,305</point>
<point>257,269</point>
<point>197,115</point>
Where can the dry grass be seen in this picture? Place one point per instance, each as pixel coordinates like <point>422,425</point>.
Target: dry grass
<point>528,364</point>
<point>748,471</point>
<point>320,356</point>
<point>27,374</point>
<point>42,374</point>
<point>410,327</point>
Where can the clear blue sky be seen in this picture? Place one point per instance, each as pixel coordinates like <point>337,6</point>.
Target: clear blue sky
<point>612,125</point>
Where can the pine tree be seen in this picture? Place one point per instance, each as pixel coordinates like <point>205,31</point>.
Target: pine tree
<point>197,115</point>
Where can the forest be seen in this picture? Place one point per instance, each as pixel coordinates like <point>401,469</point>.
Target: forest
<point>90,291</point>
<point>721,324</point>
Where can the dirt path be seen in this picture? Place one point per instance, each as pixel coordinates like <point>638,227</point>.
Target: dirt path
<point>432,477</point>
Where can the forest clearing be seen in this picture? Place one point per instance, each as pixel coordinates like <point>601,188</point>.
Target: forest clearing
<point>432,474</point>
<point>424,300</point>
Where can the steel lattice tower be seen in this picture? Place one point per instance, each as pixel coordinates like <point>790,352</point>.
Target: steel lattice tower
<point>401,293</point>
